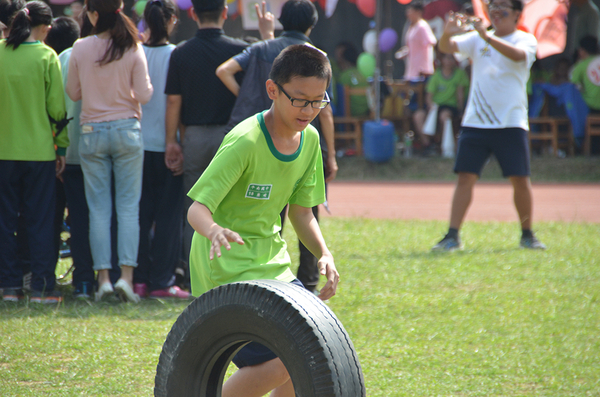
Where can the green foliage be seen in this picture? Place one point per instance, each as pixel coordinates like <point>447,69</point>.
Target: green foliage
<point>491,320</point>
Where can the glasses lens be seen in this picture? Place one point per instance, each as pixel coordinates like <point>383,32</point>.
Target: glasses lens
<point>299,103</point>
<point>319,104</point>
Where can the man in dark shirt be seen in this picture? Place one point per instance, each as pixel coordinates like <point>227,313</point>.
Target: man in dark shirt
<point>197,102</point>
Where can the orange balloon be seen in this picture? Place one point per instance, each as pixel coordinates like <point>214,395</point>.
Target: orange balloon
<point>404,1</point>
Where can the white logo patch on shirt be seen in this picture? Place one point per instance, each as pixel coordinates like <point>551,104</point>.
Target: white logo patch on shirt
<point>260,192</point>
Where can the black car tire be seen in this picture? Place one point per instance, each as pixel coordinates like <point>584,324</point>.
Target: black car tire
<point>292,322</point>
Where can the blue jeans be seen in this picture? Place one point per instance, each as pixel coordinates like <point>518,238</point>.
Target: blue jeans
<point>80,228</point>
<point>113,147</point>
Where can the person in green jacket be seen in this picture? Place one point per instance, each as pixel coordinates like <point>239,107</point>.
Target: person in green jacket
<point>32,150</point>
<point>586,73</point>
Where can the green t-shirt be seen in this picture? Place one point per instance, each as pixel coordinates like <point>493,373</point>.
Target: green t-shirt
<point>358,103</point>
<point>31,89</point>
<point>587,75</point>
<point>444,89</point>
<point>246,186</point>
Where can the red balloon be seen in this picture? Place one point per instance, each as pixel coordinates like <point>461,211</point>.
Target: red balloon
<point>367,7</point>
<point>404,1</point>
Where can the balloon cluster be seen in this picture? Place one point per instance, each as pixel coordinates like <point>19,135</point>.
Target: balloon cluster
<point>366,62</point>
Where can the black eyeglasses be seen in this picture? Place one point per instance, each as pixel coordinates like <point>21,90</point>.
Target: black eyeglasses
<point>302,103</point>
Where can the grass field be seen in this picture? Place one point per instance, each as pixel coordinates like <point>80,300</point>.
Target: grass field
<point>544,169</point>
<point>491,320</point>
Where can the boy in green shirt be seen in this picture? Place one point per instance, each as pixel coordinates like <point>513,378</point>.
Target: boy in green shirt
<point>446,88</point>
<point>267,161</point>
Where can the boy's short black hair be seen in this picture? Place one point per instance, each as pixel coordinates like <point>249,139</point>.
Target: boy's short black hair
<point>208,10</point>
<point>300,60</point>
<point>589,44</point>
<point>65,31</point>
<point>298,15</point>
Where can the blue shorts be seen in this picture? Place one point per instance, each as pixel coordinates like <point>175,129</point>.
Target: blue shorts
<point>254,353</point>
<point>414,98</point>
<point>509,145</point>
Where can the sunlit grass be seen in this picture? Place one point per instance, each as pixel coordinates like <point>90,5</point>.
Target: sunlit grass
<point>491,320</point>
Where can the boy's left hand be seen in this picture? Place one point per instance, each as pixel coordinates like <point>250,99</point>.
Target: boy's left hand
<point>327,268</point>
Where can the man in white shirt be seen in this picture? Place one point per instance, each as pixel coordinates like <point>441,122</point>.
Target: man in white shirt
<point>495,120</point>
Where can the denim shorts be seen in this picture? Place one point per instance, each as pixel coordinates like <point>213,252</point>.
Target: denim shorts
<point>254,353</point>
<point>509,145</point>
<point>413,105</point>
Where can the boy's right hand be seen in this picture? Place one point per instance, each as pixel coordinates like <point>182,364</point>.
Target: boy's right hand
<point>327,269</point>
<point>220,236</point>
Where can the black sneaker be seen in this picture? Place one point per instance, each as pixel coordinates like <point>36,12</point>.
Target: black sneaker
<point>531,243</point>
<point>47,298</point>
<point>12,294</point>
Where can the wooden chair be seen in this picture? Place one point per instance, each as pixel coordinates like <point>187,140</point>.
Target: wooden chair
<point>592,128</point>
<point>401,92</point>
<point>349,127</point>
<point>550,132</point>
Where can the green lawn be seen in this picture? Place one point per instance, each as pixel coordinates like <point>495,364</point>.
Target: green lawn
<point>491,320</point>
<point>545,169</point>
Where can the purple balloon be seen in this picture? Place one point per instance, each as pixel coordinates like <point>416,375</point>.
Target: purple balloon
<point>184,4</point>
<point>387,39</point>
<point>141,26</point>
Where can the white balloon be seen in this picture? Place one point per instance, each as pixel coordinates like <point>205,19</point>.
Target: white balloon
<point>370,41</point>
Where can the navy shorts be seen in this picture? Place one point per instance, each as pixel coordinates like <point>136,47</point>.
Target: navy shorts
<point>509,145</point>
<point>452,110</point>
<point>414,98</point>
<point>254,353</point>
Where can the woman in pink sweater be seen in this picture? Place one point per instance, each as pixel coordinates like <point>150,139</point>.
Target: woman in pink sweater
<point>109,74</point>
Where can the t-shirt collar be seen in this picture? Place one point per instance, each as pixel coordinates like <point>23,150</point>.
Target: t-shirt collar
<point>296,35</point>
<point>209,33</point>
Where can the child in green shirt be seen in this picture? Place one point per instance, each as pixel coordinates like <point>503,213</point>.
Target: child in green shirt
<point>267,161</point>
<point>32,116</point>
<point>447,87</point>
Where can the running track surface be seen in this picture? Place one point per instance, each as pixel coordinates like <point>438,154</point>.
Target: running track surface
<point>491,201</point>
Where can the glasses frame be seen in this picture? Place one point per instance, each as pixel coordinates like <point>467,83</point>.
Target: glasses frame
<point>319,104</point>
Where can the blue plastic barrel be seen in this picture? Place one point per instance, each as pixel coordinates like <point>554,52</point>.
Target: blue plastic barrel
<point>378,140</point>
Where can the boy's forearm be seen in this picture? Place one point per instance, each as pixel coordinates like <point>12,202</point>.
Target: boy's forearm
<point>226,73</point>
<point>446,45</point>
<point>308,230</point>
<point>326,121</point>
<point>200,218</point>
<point>505,48</point>
<point>172,116</point>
